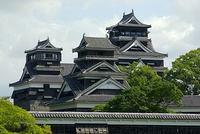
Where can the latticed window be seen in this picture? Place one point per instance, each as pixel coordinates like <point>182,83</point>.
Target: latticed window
<point>49,56</point>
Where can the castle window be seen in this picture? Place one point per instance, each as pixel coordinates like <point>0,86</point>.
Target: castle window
<point>127,33</point>
<point>48,97</point>
<point>150,64</point>
<point>55,56</point>
<point>103,68</point>
<point>132,33</point>
<point>46,86</point>
<point>139,33</point>
<point>144,34</point>
<point>49,56</point>
<point>32,92</point>
<point>43,56</point>
<point>32,57</point>
<point>92,81</point>
<point>40,90</point>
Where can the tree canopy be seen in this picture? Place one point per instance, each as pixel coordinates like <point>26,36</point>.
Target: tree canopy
<point>148,92</point>
<point>185,72</point>
<point>17,120</point>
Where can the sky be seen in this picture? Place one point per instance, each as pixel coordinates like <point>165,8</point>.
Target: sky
<point>175,27</point>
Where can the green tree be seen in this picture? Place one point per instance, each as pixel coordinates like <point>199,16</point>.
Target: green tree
<point>17,120</point>
<point>148,92</point>
<point>185,72</point>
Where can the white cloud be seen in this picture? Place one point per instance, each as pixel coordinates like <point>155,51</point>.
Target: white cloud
<point>171,34</point>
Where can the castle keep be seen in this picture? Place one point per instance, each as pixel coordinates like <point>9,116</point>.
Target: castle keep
<point>93,78</point>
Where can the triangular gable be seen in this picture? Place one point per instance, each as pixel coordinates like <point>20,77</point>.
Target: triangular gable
<point>65,90</point>
<point>108,83</point>
<point>75,69</point>
<point>104,66</point>
<point>131,19</point>
<point>137,46</point>
<point>134,20</point>
<point>45,44</point>
<point>48,45</point>
<point>140,63</point>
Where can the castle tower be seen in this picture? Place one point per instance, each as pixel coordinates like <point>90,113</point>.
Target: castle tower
<point>132,37</point>
<point>95,79</point>
<point>41,78</point>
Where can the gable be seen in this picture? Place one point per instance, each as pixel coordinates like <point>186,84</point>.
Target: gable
<point>102,66</point>
<point>65,91</point>
<point>109,84</point>
<point>137,46</point>
<point>48,45</point>
<point>133,22</point>
<point>140,63</point>
<point>76,69</point>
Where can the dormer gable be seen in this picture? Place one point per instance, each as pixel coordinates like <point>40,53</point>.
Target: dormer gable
<point>140,63</point>
<point>129,20</point>
<point>48,45</point>
<point>44,46</point>
<point>75,69</point>
<point>102,66</point>
<point>104,84</point>
<point>65,91</point>
<point>135,45</point>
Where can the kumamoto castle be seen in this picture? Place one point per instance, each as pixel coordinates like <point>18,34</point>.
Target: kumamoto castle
<point>62,95</point>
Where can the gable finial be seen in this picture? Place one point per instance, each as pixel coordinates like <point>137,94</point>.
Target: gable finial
<point>48,38</point>
<point>84,34</point>
<point>132,11</point>
<point>123,13</point>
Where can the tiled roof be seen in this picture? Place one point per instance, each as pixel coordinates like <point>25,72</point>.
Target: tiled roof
<point>138,54</point>
<point>105,63</point>
<point>96,84</point>
<point>147,46</point>
<point>106,115</point>
<point>189,101</point>
<point>42,44</point>
<point>74,85</point>
<point>95,43</point>
<point>67,68</point>
<point>129,20</point>
<point>41,79</point>
<point>47,78</point>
